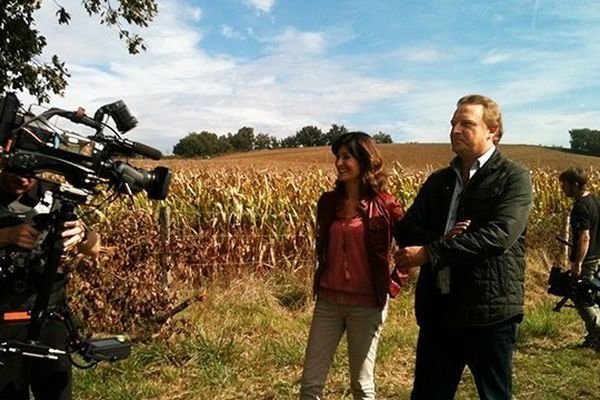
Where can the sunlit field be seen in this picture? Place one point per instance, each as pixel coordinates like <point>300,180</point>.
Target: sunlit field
<point>241,230</point>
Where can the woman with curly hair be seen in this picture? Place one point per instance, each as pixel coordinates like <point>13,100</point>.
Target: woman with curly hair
<point>354,233</point>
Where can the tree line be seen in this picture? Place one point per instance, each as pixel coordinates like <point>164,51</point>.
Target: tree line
<point>585,141</point>
<point>207,144</point>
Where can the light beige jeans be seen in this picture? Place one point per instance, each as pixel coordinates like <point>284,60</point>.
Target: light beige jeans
<point>362,326</point>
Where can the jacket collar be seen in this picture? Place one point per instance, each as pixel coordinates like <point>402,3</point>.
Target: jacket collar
<point>494,162</point>
<point>363,204</point>
<point>491,164</point>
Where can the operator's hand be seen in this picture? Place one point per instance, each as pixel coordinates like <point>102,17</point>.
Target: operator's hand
<point>457,229</point>
<point>22,235</point>
<point>73,234</point>
<point>575,269</point>
<point>412,256</point>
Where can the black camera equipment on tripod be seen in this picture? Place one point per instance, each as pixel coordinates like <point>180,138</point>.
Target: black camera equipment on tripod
<point>562,284</point>
<point>32,146</point>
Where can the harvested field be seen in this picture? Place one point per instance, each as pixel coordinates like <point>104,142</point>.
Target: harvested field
<point>409,156</point>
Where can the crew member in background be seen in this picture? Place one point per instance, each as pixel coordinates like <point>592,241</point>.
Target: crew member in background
<point>585,253</point>
<point>21,199</point>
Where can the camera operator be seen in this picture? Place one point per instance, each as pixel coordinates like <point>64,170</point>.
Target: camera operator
<point>21,198</point>
<point>585,253</point>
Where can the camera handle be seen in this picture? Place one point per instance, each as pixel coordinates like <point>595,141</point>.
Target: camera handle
<point>65,212</point>
<point>562,303</point>
<point>30,349</point>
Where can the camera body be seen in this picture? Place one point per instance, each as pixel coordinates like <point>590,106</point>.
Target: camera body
<point>32,145</point>
<point>562,284</point>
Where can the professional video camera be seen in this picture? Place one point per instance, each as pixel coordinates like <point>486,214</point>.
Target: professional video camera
<point>562,284</point>
<point>31,145</point>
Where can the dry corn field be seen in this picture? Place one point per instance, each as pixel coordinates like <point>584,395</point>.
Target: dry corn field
<point>229,216</point>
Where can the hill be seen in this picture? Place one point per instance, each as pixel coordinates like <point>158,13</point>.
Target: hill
<point>410,156</point>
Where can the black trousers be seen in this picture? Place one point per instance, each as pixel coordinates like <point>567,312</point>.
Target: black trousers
<point>443,353</point>
<point>48,379</point>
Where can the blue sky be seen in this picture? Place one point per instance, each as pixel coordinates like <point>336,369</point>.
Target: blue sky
<point>392,66</point>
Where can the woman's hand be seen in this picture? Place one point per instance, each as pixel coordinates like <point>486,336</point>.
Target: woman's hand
<point>410,257</point>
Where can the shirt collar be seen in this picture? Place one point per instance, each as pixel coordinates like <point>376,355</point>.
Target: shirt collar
<point>481,160</point>
<point>486,156</point>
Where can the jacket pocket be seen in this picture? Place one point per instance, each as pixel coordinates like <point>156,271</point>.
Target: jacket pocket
<point>487,192</point>
<point>491,187</point>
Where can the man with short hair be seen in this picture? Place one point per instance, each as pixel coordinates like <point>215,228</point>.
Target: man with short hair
<point>585,253</point>
<point>22,263</point>
<point>466,230</point>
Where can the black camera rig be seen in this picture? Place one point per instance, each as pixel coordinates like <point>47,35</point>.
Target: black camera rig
<point>562,284</point>
<point>32,146</point>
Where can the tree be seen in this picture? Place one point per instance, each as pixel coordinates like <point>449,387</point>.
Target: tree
<point>275,143</point>
<point>263,141</point>
<point>310,136</point>
<point>243,140</point>
<point>382,138</point>
<point>334,133</point>
<point>21,44</point>
<point>203,144</point>
<point>289,141</point>
<point>585,141</point>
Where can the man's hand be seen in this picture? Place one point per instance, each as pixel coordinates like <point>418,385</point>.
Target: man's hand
<point>412,256</point>
<point>575,269</point>
<point>73,234</point>
<point>457,229</point>
<point>22,235</point>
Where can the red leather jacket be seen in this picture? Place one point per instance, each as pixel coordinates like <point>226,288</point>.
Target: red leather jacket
<point>379,213</point>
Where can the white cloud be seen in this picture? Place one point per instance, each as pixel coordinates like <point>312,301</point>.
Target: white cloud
<point>176,87</point>
<point>264,6</point>
<point>495,57</point>
<point>87,42</point>
<point>292,42</point>
<point>231,33</point>
<point>536,127</point>
<point>195,13</point>
<point>423,55</point>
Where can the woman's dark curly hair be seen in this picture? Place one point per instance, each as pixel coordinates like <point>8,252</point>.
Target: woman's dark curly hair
<point>362,147</point>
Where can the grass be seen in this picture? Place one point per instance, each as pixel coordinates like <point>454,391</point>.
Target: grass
<point>247,341</point>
